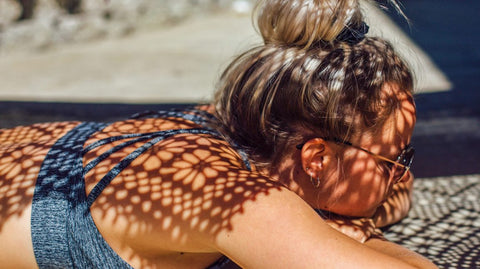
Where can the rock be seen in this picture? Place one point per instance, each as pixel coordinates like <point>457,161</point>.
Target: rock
<point>54,24</point>
<point>9,12</point>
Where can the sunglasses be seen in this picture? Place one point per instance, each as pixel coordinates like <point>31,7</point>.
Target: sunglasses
<point>400,166</point>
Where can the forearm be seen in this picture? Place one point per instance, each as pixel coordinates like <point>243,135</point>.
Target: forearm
<point>399,252</point>
<point>397,205</point>
<point>364,231</point>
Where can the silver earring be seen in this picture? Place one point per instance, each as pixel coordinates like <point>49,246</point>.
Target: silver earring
<point>315,184</point>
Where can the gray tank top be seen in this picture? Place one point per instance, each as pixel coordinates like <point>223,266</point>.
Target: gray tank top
<point>64,234</point>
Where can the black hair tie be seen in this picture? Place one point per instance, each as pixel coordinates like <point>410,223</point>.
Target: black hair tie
<point>352,35</point>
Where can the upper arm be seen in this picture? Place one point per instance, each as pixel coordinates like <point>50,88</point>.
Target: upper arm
<point>279,230</point>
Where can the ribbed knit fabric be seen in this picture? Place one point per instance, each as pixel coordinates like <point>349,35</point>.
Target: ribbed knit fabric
<point>63,232</point>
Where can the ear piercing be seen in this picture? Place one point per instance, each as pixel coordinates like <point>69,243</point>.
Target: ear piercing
<point>315,184</point>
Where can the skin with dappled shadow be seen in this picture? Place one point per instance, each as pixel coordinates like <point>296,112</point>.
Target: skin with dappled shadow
<point>175,189</point>
<point>354,182</point>
<point>22,151</point>
<point>171,204</point>
<point>183,188</point>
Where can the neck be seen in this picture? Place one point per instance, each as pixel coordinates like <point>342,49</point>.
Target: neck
<point>288,172</point>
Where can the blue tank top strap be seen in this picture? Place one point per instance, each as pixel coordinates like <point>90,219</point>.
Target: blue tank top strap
<point>138,138</point>
<point>191,114</point>
<point>197,116</point>
<point>103,156</point>
<point>111,139</point>
<point>154,138</point>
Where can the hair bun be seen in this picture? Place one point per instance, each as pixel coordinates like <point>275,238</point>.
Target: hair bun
<point>305,22</point>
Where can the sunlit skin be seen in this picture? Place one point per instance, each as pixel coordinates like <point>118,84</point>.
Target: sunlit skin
<point>363,183</point>
<point>189,200</point>
<point>353,182</point>
<point>163,211</point>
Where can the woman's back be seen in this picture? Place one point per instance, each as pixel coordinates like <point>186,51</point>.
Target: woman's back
<point>324,112</point>
<point>152,208</point>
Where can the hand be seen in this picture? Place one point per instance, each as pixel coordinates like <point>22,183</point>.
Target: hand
<point>396,207</point>
<point>360,229</point>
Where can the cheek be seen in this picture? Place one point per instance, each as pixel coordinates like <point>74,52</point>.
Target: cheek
<point>366,176</point>
<point>362,187</point>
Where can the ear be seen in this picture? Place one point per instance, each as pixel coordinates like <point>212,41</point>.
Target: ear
<point>316,156</point>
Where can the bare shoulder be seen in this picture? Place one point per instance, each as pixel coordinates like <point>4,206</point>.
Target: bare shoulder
<point>175,197</point>
<point>277,229</point>
<point>190,197</point>
<point>190,193</point>
<point>197,179</point>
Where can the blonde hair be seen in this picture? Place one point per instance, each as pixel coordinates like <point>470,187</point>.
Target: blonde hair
<point>304,22</point>
<point>303,78</point>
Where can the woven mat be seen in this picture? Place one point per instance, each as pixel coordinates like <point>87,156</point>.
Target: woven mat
<point>444,223</point>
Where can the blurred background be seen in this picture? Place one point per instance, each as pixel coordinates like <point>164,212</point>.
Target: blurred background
<point>104,60</point>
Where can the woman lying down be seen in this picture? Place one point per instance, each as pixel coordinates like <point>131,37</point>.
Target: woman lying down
<point>303,154</point>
